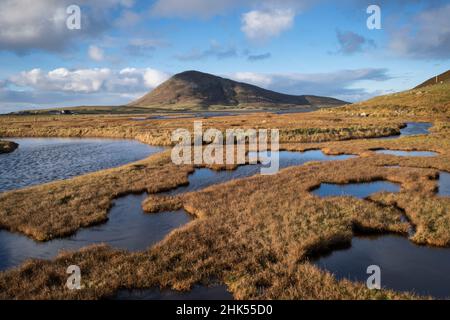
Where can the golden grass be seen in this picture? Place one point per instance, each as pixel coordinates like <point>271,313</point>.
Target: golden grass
<point>303,127</point>
<point>428,101</point>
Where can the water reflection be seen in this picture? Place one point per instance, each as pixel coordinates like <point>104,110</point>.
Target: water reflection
<point>404,265</point>
<point>401,153</point>
<point>359,190</point>
<point>41,160</point>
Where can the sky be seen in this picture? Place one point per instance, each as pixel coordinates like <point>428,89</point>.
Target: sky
<point>125,48</point>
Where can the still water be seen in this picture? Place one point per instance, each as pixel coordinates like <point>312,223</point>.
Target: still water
<point>41,160</point>
<point>358,190</point>
<point>404,265</point>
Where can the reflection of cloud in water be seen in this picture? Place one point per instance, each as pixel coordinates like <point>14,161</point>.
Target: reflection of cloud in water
<point>359,190</point>
<point>401,153</point>
<point>41,160</point>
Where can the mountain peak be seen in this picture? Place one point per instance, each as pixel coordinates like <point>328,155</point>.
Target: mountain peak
<point>192,74</point>
<point>198,89</point>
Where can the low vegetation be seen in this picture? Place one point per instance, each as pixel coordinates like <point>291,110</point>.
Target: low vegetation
<point>429,101</point>
<point>304,127</point>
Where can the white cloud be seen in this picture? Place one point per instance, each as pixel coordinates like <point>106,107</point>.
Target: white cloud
<point>210,8</point>
<point>340,84</point>
<point>95,53</point>
<point>62,79</point>
<point>63,87</point>
<point>153,78</point>
<point>90,80</point>
<point>29,24</point>
<point>426,36</point>
<point>262,25</point>
<point>259,79</point>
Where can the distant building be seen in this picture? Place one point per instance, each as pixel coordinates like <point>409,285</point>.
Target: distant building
<point>66,112</point>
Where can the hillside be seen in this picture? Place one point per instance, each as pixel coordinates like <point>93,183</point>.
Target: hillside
<point>430,101</point>
<point>197,90</point>
<point>439,79</point>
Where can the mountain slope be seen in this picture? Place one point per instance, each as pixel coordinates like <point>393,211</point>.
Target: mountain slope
<point>203,90</point>
<point>430,101</point>
<point>440,79</point>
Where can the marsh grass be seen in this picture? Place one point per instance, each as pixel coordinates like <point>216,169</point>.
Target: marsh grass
<point>426,101</point>
<point>293,127</point>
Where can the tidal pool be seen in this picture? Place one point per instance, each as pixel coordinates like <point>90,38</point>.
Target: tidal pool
<point>358,190</point>
<point>444,184</point>
<point>198,292</point>
<point>41,160</point>
<point>404,265</point>
<point>401,153</point>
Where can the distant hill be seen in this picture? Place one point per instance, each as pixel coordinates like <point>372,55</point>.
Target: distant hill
<point>198,90</point>
<point>442,78</point>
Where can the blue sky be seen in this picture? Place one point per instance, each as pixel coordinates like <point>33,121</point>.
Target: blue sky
<point>126,48</point>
